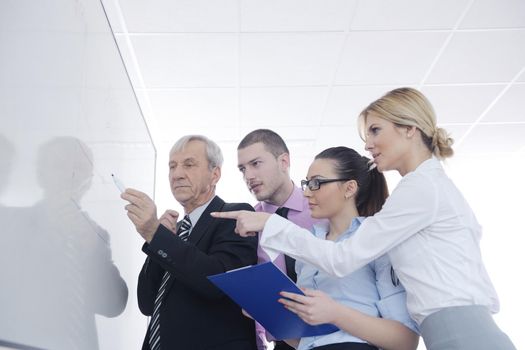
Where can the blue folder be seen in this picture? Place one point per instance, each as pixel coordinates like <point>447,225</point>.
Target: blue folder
<point>256,289</point>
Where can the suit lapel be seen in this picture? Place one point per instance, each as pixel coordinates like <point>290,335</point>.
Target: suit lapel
<point>206,223</point>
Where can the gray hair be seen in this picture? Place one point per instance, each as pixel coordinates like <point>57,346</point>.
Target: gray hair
<point>213,151</point>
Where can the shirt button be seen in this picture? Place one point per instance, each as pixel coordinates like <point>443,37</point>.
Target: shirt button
<point>164,255</point>
<point>160,252</point>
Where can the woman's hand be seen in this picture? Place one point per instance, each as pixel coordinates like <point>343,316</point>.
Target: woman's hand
<point>314,308</point>
<point>248,222</point>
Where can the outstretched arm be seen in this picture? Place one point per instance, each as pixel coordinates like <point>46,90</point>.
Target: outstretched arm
<point>248,222</point>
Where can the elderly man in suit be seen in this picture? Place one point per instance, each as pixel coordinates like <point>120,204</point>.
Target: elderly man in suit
<point>187,311</point>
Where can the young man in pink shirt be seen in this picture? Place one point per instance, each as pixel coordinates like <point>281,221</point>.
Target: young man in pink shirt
<point>264,161</point>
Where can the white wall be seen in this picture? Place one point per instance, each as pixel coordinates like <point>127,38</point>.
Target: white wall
<point>68,119</point>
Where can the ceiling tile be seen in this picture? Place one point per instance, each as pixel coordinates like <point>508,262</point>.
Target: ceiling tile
<point>203,107</point>
<point>346,102</point>
<point>481,57</point>
<point>388,57</point>
<point>296,15</point>
<point>494,139</point>
<point>289,59</point>
<point>495,14</point>
<point>522,77</point>
<point>455,131</point>
<point>269,107</point>
<point>407,14</point>
<point>297,134</point>
<point>509,108</point>
<point>340,136</point>
<point>180,16</point>
<point>461,104</point>
<point>214,131</point>
<point>187,60</point>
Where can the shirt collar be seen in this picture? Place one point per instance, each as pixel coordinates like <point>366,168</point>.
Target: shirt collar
<point>431,163</point>
<point>294,202</point>
<point>197,212</point>
<point>321,229</point>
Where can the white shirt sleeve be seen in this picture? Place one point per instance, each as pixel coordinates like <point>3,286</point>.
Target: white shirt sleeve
<point>411,208</point>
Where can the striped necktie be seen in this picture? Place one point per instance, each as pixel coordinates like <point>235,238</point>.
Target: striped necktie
<point>154,336</point>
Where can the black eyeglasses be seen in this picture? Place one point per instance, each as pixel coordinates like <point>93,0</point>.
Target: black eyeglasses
<point>315,184</point>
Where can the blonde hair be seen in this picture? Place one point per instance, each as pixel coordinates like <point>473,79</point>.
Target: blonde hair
<point>409,107</point>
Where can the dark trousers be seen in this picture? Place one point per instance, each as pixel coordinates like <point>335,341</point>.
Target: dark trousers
<point>281,345</point>
<point>346,346</point>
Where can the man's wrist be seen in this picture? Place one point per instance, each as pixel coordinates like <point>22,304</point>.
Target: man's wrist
<point>148,236</point>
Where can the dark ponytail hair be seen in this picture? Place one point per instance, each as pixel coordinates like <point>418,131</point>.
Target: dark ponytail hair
<point>372,187</point>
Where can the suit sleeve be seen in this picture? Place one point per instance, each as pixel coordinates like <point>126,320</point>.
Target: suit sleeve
<point>150,278</point>
<point>190,265</point>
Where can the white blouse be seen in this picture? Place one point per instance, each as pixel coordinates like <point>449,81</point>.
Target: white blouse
<point>429,232</point>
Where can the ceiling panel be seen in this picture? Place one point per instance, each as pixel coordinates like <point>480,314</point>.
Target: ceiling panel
<point>477,57</point>
<point>388,57</point>
<point>187,60</point>
<point>494,139</point>
<point>296,15</point>
<point>456,131</point>
<point>346,102</point>
<point>270,107</point>
<point>341,136</point>
<point>288,133</point>
<point>407,14</point>
<point>522,77</point>
<point>214,131</point>
<point>202,107</point>
<point>292,65</point>
<point>495,14</point>
<point>288,59</point>
<point>461,104</point>
<point>180,16</point>
<point>509,108</point>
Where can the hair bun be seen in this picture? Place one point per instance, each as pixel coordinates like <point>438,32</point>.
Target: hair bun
<point>442,143</point>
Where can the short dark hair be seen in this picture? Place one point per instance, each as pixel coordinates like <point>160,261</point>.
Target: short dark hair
<point>270,139</point>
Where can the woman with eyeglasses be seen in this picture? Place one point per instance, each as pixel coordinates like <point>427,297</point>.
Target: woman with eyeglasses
<point>427,228</point>
<point>368,305</point>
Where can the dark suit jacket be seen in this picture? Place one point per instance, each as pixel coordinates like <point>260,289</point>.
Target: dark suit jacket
<point>194,313</point>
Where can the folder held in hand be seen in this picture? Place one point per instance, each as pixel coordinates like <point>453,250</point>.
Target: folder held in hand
<point>256,289</point>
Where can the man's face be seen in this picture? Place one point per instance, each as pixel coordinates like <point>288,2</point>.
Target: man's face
<point>192,182</point>
<point>264,174</point>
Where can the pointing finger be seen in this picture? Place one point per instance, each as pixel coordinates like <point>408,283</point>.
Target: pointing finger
<point>227,214</point>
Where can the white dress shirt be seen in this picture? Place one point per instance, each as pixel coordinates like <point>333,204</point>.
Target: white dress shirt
<point>429,232</point>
